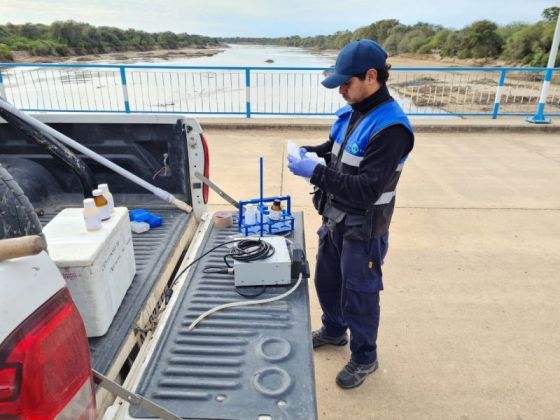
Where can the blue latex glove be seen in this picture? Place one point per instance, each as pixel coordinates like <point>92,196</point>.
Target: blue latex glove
<point>302,152</point>
<point>302,167</point>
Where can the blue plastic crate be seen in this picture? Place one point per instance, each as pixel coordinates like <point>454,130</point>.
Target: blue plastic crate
<point>266,227</point>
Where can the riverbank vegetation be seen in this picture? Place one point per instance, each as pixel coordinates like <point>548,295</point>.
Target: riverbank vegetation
<point>72,38</point>
<point>516,43</point>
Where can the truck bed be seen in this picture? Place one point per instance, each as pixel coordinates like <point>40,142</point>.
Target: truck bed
<point>139,144</point>
<point>240,363</point>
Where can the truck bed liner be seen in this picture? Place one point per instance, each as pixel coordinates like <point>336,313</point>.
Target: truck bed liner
<point>240,363</point>
<point>152,251</point>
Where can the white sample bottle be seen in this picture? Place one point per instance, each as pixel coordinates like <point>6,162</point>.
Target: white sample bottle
<point>108,196</point>
<point>102,204</point>
<point>91,215</point>
<point>250,214</point>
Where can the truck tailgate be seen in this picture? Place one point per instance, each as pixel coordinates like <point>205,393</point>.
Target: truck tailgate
<point>252,362</point>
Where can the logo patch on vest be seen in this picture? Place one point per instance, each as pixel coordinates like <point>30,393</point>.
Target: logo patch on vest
<point>354,149</point>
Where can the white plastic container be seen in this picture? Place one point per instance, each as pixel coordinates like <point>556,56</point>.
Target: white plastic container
<point>250,214</point>
<point>98,266</point>
<point>104,210</point>
<point>92,218</point>
<point>108,196</point>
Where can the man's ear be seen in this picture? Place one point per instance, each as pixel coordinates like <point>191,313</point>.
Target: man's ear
<point>371,75</point>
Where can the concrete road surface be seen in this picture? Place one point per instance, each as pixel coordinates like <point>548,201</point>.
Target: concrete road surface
<point>470,314</point>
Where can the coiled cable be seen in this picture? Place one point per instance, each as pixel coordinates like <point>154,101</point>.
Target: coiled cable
<point>248,250</point>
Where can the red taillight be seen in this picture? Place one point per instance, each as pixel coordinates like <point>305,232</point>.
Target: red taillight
<point>45,364</point>
<point>205,189</point>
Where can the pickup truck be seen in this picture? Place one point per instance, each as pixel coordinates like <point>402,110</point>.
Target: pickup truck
<point>250,362</point>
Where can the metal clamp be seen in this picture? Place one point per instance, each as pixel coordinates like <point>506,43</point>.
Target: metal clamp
<point>134,399</point>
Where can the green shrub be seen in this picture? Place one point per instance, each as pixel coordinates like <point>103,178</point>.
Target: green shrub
<point>40,48</point>
<point>5,53</point>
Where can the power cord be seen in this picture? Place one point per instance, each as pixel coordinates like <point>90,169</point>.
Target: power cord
<point>169,291</point>
<point>244,303</point>
<point>247,250</point>
<point>260,291</point>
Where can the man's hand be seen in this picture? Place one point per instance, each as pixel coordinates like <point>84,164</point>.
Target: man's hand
<point>303,167</point>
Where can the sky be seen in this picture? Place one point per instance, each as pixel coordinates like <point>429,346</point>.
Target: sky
<point>268,18</point>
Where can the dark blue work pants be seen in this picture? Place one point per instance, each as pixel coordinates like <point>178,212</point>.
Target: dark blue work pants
<point>348,279</point>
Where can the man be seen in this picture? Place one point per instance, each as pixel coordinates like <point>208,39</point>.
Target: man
<point>355,194</point>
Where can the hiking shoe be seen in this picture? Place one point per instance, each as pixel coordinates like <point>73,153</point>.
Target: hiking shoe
<point>354,374</point>
<point>321,339</point>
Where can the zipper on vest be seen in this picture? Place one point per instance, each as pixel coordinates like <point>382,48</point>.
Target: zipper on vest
<point>346,137</point>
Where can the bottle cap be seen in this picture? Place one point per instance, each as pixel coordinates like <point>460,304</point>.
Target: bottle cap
<point>89,203</point>
<point>97,192</point>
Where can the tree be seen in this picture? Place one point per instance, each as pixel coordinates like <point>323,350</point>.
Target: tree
<point>452,44</point>
<point>412,41</point>
<point>480,40</point>
<point>168,40</point>
<point>111,38</point>
<point>397,33</point>
<point>92,40</point>
<point>68,32</point>
<point>550,14</point>
<point>341,39</point>
<point>505,32</point>
<point>378,31</point>
<point>33,31</point>
<point>5,53</point>
<point>436,42</point>
<point>4,34</point>
<point>528,42</point>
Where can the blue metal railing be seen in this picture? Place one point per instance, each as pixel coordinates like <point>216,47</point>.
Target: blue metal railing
<point>261,91</point>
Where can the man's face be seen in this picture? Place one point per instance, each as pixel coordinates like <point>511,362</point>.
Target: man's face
<point>355,90</point>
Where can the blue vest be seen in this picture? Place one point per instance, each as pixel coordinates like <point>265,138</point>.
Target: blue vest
<point>368,219</point>
<point>383,116</point>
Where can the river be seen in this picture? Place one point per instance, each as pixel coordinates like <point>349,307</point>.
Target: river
<point>196,91</point>
<point>245,55</point>
<point>248,55</point>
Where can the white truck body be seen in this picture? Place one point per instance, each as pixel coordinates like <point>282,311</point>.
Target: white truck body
<point>26,283</point>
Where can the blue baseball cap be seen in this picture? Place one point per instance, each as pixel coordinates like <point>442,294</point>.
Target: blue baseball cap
<point>355,58</point>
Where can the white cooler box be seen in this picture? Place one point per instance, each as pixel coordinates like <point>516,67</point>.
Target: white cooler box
<point>98,266</point>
